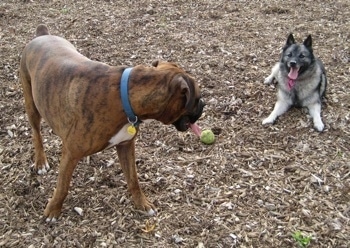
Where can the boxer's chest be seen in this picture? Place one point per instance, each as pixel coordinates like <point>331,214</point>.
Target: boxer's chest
<point>122,135</point>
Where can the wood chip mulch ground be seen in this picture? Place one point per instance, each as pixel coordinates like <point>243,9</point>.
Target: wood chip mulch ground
<point>256,186</point>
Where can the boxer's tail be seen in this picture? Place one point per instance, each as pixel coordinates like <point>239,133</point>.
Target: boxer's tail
<point>42,30</point>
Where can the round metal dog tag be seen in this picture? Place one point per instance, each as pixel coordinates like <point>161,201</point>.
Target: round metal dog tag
<point>131,130</point>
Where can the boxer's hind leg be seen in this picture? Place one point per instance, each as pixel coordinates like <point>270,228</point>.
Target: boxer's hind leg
<point>68,163</point>
<point>40,165</point>
<point>126,154</point>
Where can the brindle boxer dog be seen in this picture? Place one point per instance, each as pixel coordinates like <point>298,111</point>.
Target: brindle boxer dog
<point>81,101</point>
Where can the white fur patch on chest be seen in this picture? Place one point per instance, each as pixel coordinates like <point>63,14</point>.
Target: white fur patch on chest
<point>121,136</point>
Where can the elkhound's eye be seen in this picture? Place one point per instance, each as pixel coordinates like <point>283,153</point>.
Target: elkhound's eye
<point>301,56</point>
<point>289,55</point>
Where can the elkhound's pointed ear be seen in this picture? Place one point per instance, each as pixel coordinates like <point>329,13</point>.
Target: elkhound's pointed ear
<point>290,40</point>
<point>308,42</point>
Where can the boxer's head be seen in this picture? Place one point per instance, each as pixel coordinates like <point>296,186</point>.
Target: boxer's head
<point>194,106</point>
<point>185,106</point>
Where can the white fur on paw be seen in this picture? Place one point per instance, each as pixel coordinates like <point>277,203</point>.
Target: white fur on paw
<point>319,126</point>
<point>51,220</point>
<point>44,169</point>
<point>268,120</point>
<point>151,212</point>
<point>268,80</point>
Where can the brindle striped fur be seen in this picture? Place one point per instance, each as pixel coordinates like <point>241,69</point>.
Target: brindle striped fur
<point>80,100</point>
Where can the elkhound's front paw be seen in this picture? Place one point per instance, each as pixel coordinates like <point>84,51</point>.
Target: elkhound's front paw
<point>319,126</point>
<point>268,80</point>
<point>268,120</point>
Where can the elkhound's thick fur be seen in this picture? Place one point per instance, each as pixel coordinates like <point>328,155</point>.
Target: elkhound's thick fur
<point>301,80</point>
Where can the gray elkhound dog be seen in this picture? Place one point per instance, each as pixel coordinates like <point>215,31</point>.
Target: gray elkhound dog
<point>301,79</point>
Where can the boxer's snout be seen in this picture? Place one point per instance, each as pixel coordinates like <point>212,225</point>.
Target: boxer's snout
<point>183,123</point>
<point>198,113</point>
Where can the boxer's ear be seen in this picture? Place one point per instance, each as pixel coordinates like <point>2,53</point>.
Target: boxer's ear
<point>155,63</point>
<point>183,84</point>
<point>186,91</point>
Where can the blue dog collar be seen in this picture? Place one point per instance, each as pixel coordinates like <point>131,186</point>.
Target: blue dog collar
<point>124,92</point>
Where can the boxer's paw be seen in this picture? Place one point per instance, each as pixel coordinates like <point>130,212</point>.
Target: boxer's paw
<point>152,212</point>
<point>52,211</point>
<point>52,214</point>
<point>44,169</point>
<point>145,205</point>
<point>41,168</point>
<point>50,220</point>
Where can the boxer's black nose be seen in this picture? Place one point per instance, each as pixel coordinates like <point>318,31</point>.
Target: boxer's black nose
<point>196,115</point>
<point>183,123</point>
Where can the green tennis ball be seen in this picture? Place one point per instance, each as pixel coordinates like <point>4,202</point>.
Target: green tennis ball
<point>207,137</point>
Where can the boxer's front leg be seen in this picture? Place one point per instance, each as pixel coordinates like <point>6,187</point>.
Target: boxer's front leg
<point>66,168</point>
<point>126,154</point>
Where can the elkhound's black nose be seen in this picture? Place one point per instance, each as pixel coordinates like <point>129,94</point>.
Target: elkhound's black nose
<point>293,64</point>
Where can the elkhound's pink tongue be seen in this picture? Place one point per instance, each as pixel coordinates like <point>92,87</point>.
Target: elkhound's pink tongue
<point>195,129</point>
<point>293,73</point>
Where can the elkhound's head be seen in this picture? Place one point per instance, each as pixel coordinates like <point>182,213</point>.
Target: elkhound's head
<point>297,58</point>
